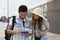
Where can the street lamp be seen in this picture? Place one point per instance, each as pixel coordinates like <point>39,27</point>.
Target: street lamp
<point>7,8</point>
<point>8,11</point>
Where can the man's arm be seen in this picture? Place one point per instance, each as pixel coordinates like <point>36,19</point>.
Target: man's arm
<point>9,29</point>
<point>12,31</point>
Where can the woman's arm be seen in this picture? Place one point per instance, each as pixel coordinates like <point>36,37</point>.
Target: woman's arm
<point>43,32</point>
<point>46,24</point>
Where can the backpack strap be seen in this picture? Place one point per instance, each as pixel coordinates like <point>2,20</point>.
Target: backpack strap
<point>13,21</point>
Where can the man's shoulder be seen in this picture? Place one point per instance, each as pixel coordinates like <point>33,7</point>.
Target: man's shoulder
<point>27,18</point>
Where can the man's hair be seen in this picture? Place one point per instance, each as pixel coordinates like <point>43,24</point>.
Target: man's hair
<point>22,8</point>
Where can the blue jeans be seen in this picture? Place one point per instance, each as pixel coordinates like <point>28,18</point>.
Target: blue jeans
<point>44,37</point>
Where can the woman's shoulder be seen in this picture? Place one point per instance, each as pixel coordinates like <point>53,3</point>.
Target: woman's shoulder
<point>45,20</point>
<point>46,23</point>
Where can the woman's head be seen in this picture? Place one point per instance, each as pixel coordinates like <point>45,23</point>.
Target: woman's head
<point>37,17</point>
<point>38,13</point>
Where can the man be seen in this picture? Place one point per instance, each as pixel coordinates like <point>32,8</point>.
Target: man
<point>21,26</point>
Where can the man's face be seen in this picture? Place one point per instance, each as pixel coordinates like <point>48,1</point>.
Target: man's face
<point>22,14</point>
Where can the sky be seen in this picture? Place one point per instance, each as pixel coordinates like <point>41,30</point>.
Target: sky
<point>14,4</point>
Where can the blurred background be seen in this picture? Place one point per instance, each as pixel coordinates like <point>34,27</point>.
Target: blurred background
<point>50,9</point>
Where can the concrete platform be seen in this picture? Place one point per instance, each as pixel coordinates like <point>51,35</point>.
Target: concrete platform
<point>52,36</point>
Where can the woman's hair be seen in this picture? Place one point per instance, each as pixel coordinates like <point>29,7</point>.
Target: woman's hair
<point>39,21</point>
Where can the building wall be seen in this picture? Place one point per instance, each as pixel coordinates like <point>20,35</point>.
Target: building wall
<point>53,15</point>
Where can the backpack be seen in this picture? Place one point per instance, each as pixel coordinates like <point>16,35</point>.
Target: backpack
<point>7,36</point>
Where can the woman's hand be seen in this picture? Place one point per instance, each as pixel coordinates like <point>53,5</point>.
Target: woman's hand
<point>41,33</point>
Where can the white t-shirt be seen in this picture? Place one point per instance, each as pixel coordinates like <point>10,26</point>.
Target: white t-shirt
<point>45,25</point>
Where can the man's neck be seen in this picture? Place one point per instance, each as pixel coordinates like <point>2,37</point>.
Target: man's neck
<point>22,18</point>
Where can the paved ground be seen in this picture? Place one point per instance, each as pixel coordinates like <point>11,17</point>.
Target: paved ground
<point>52,36</point>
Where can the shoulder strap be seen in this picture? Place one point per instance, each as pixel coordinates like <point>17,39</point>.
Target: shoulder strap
<point>13,21</point>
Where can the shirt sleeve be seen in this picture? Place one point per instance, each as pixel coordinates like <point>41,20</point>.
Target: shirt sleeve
<point>46,23</point>
<point>30,23</point>
<point>10,21</point>
<point>30,26</point>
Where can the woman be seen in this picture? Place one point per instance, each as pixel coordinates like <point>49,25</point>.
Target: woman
<point>40,25</point>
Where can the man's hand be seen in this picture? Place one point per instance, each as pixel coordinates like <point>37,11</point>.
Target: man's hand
<point>28,34</point>
<point>16,31</point>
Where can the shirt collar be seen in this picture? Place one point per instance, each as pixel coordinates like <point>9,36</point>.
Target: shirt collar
<point>25,19</point>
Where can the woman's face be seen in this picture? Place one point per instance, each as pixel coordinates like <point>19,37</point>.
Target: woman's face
<point>36,16</point>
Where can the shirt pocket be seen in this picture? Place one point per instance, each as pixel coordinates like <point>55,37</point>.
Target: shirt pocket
<point>18,25</point>
<point>27,25</point>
